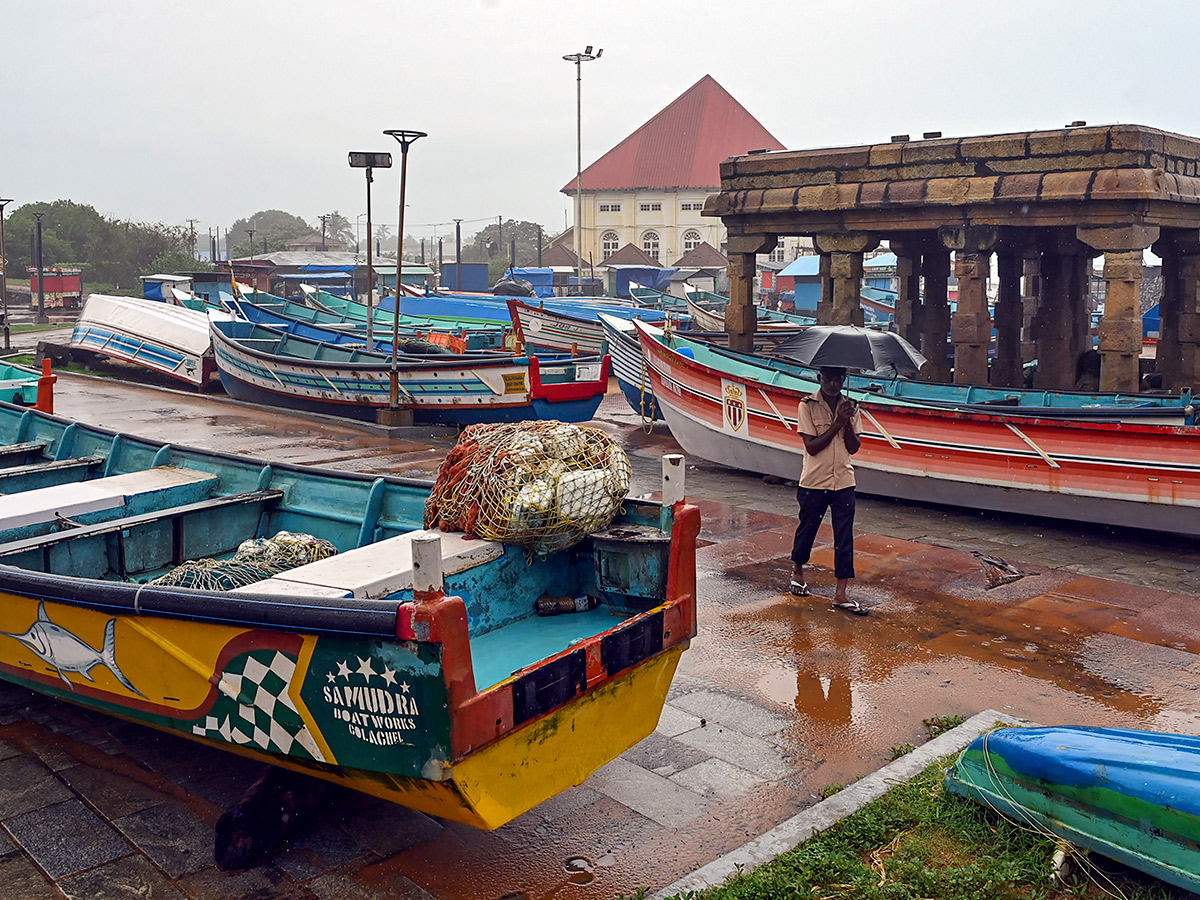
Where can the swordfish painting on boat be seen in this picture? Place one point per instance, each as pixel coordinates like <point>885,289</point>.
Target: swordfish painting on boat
<point>333,624</point>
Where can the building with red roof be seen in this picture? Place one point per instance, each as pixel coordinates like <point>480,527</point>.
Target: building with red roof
<point>649,189</point>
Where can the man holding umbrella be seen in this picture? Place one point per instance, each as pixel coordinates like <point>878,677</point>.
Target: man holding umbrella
<point>830,425</point>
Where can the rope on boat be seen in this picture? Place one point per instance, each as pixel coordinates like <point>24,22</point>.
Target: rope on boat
<point>255,560</point>
<point>540,485</point>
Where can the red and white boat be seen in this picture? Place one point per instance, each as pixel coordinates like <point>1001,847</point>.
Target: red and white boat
<point>734,412</point>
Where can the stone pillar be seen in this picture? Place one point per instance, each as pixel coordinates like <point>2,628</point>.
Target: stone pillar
<point>1120,340</point>
<point>972,324</point>
<point>908,300</point>
<point>935,320</point>
<point>1056,361</point>
<point>845,252</point>
<point>1187,326</point>
<point>1031,267</point>
<point>741,315</point>
<point>1167,355</point>
<point>1006,366</point>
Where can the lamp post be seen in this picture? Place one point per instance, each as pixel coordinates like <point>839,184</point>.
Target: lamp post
<point>406,139</point>
<point>358,232</point>
<point>370,161</point>
<point>458,254</point>
<point>4,271</point>
<point>41,273</point>
<point>250,232</point>
<point>579,59</point>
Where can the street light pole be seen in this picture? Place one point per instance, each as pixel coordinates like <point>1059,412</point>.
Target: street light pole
<point>41,273</point>
<point>370,161</point>
<point>4,271</point>
<point>458,254</point>
<point>406,139</point>
<point>579,59</point>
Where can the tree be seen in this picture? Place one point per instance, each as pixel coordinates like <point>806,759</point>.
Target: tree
<point>273,226</point>
<point>339,228</point>
<point>493,245</point>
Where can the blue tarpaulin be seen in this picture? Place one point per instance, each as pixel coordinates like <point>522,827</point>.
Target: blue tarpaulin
<point>542,279</point>
<point>652,277</point>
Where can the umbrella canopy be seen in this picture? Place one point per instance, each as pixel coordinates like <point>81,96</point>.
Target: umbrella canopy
<point>853,348</point>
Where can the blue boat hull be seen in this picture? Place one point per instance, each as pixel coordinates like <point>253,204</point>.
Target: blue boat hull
<point>1133,796</point>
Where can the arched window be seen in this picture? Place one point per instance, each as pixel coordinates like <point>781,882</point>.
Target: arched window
<point>610,241</point>
<point>650,244</point>
<point>691,240</point>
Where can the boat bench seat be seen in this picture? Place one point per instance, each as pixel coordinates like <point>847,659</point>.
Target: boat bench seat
<point>376,570</point>
<point>161,485</point>
<point>51,468</point>
<point>176,513</point>
<point>26,451</point>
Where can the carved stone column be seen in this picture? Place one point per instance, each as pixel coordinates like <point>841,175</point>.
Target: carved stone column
<point>1177,355</point>
<point>972,324</point>
<point>1006,366</point>
<point>741,316</point>
<point>935,321</point>
<point>1060,335</point>
<point>1031,268</point>
<point>845,252</point>
<point>909,308</point>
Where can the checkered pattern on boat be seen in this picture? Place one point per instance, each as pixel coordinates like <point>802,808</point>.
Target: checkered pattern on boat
<point>262,715</point>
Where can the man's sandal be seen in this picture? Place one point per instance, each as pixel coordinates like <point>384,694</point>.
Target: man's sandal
<point>852,606</point>
<point>798,589</point>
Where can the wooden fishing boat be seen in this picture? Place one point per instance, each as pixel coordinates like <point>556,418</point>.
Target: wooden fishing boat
<point>358,667</point>
<point>481,334</point>
<point>1133,796</point>
<point>708,319</point>
<point>740,413</point>
<point>265,366</point>
<point>18,384</point>
<point>542,329</point>
<point>166,338</point>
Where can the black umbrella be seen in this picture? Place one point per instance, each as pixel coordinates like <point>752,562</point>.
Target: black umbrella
<point>853,348</point>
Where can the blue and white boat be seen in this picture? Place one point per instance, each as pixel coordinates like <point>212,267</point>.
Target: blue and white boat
<point>162,337</point>
<point>262,365</point>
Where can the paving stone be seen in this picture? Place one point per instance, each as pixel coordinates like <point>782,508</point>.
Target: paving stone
<point>675,721</point>
<point>663,755</point>
<point>391,885</point>
<point>317,850</point>
<point>750,753</point>
<point>259,883</point>
<point>131,876</point>
<point>387,828</point>
<point>114,795</point>
<point>26,784</point>
<point>644,792</point>
<point>8,751</point>
<point>177,841</point>
<point>21,880</point>
<point>716,779</point>
<point>67,838</point>
<point>733,712</point>
<point>7,846</point>
<point>564,804</point>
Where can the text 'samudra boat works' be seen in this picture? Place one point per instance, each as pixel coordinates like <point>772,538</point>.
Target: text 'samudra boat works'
<point>308,618</point>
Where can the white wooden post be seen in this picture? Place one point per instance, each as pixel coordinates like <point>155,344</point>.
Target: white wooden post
<point>427,564</point>
<point>672,486</point>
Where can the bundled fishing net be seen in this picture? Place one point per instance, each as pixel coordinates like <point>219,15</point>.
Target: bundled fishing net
<point>254,560</point>
<point>542,485</point>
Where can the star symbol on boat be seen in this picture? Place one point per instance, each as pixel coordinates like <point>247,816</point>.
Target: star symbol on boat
<point>404,686</point>
<point>332,677</point>
<point>343,670</point>
<point>365,669</point>
<point>389,676</point>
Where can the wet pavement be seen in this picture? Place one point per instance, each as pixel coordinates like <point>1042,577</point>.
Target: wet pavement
<point>777,699</point>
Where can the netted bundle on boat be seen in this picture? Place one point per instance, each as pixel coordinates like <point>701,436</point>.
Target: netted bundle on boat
<point>254,560</point>
<point>542,485</point>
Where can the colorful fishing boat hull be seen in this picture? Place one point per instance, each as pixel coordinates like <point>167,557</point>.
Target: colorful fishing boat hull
<point>1133,796</point>
<point>255,366</point>
<point>460,702</point>
<point>172,340</point>
<point>740,414</point>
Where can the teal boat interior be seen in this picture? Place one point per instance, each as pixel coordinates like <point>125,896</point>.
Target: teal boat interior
<point>95,517</point>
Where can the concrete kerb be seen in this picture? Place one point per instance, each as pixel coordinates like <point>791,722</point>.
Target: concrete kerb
<point>787,835</point>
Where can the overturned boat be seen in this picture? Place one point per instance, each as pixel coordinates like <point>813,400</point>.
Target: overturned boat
<point>307,618</point>
<point>1133,796</point>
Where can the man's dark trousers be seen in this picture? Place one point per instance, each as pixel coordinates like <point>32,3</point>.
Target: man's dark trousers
<point>813,504</point>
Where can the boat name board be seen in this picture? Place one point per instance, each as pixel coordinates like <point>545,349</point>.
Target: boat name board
<point>514,383</point>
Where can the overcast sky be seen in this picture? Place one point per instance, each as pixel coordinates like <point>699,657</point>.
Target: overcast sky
<point>164,111</point>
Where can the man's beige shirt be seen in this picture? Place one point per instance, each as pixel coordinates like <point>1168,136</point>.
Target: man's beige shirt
<point>831,469</point>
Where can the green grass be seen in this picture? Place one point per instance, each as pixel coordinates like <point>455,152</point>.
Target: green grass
<point>27,327</point>
<point>919,842</point>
